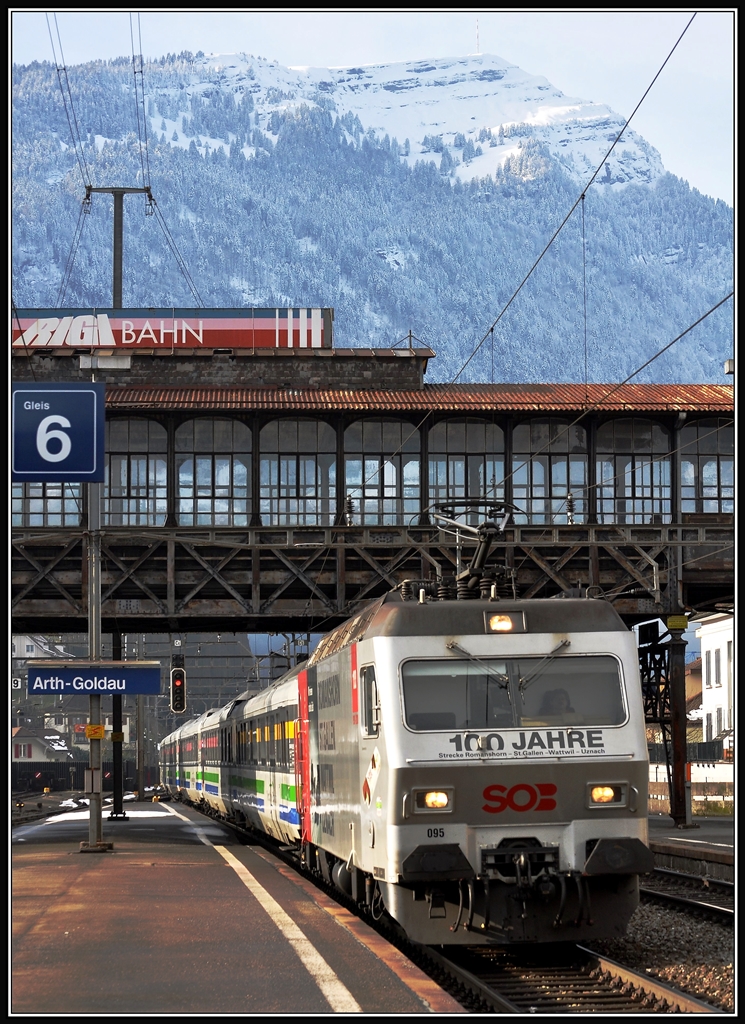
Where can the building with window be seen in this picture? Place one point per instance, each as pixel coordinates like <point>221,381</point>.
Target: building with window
<point>27,745</point>
<point>212,456</point>
<point>716,633</point>
<point>276,489</point>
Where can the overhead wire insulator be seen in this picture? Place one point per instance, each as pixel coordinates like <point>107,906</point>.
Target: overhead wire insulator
<point>570,508</point>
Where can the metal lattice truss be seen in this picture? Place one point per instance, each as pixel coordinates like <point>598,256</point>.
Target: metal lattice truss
<point>299,579</point>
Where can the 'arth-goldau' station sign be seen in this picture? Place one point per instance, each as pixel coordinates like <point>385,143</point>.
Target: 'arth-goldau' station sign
<point>54,678</point>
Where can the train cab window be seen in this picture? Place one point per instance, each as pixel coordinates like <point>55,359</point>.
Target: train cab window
<point>512,693</point>
<point>369,701</point>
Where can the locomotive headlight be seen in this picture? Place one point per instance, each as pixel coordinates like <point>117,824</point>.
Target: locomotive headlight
<point>603,795</point>
<point>433,800</point>
<point>504,622</point>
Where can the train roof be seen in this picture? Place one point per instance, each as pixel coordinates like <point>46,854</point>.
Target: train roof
<point>443,618</point>
<point>391,615</point>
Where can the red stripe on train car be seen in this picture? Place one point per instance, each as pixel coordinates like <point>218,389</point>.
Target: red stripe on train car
<point>302,759</point>
<point>355,687</point>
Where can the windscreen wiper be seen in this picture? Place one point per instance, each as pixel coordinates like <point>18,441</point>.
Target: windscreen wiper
<point>500,677</point>
<point>525,681</point>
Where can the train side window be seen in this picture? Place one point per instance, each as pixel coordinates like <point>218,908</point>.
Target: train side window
<point>370,702</point>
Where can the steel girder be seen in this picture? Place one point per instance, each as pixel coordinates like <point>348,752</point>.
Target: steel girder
<point>300,579</point>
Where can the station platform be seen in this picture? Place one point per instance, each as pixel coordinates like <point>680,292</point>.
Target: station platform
<point>182,917</point>
<point>707,849</point>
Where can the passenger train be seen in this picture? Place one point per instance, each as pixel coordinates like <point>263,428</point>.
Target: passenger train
<point>475,768</point>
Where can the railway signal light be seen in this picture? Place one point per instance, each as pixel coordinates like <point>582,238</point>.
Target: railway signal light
<point>178,690</point>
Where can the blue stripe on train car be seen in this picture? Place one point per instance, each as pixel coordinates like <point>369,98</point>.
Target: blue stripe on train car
<point>290,815</point>
<point>214,790</point>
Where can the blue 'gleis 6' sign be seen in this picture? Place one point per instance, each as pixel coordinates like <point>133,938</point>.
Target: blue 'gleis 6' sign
<point>58,432</point>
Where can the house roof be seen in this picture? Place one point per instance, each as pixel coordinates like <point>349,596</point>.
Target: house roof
<point>694,702</point>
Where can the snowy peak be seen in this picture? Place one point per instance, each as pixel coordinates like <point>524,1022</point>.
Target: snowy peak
<point>479,109</point>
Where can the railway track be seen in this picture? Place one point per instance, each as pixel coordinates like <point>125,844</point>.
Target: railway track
<point>711,898</point>
<point>565,978</point>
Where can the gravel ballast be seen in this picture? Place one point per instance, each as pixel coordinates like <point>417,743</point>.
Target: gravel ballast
<point>691,954</point>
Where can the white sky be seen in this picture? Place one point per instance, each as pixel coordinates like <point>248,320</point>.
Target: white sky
<point>609,56</point>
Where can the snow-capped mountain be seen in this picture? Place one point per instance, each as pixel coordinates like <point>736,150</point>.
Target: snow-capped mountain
<point>409,197</point>
<point>477,108</point>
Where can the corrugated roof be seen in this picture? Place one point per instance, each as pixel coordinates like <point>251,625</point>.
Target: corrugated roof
<point>440,397</point>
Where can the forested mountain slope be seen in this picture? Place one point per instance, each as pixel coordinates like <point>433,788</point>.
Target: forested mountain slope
<point>280,194</point>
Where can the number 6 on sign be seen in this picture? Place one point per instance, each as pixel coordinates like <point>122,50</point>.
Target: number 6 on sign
<point>44,435</point>
<point>58,432</point>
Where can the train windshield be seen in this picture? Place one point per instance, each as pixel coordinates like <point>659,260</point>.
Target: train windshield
<point>510,693</point>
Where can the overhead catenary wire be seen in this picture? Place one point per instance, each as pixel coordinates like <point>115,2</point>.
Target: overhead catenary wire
<point>64,283</point>
<point>617,591</point>
<point>588,409</point>
<point>574,206</point>
<point>64,84</point>
<point>145,162</point>
<point>180,262</point>
<point>606,396</point>
<point>584,296</point>
<point>77,144</point>
<point>140,101</point>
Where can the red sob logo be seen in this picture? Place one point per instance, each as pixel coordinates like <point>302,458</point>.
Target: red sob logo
<point>520,797</point>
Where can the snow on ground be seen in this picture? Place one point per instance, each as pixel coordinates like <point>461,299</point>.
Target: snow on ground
<point>466,96</point>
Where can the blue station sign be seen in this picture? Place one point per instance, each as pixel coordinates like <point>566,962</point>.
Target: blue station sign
<point>58,432</point>
<point>54,678</point>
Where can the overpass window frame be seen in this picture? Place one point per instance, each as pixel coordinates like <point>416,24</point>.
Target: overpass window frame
<point>135,491</point>
<point>382,471</point>
<point>549,461</point>
<point>707,467</point>
<point>219,493</point>
<point>633,464</point>
<point>297,473</point>
<point>46,504</point>
<point>466,460</point>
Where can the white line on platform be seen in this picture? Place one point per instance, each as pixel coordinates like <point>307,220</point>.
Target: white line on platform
<point>339,997</point>
<point>696,842</point>
<point>200,832</point>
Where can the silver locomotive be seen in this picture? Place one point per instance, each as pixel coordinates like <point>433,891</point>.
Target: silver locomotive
<point>478,769</point>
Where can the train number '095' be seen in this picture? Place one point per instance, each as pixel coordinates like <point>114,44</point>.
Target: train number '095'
<point>435,833</point>
<point>521,797</point>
